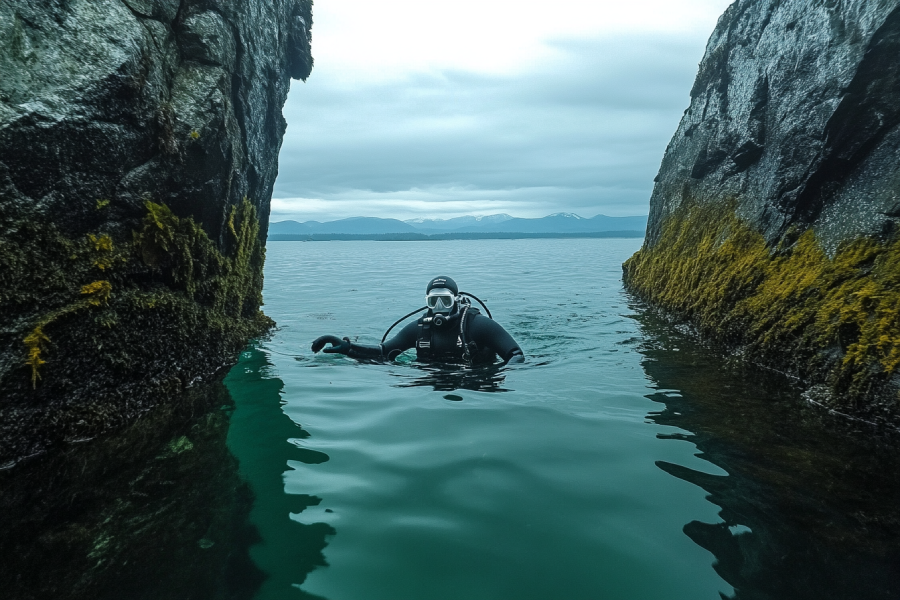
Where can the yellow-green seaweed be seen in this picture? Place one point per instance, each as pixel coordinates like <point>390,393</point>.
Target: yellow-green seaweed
<point>232,284</point>
<point>208,289</point>
<point>89,350</point>
<point>97,294</point>
<point>828,319</point>
<point>104,248</point>
<point>34,343</point>
<point>98,291</point>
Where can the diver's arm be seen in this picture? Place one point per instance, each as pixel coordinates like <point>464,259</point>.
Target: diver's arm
<point>405,339</point>
<point>487,333</point>
<point>347,348</point>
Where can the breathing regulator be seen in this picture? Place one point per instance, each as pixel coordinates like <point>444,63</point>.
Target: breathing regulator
<point>438,319</point>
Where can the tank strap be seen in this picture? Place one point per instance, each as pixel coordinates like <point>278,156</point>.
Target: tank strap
<point>462,334</point>
<point>423,339</point>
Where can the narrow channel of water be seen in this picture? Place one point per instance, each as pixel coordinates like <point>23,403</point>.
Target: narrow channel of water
<point>622,461</point>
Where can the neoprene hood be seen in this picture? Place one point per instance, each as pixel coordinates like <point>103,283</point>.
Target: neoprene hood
<point>442,282</point>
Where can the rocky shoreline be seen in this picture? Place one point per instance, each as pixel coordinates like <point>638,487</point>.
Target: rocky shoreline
<point>139,145</point>
<point>774,218</point>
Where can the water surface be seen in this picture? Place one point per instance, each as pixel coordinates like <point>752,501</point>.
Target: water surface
<point>621,461</point>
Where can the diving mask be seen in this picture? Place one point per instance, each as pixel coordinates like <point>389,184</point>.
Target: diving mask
<point>440,300</point>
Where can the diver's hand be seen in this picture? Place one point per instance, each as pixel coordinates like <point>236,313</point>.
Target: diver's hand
<point>338,345</point>
<point>516,357</point>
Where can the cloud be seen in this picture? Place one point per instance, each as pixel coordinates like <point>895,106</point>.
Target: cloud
<point>360,38</point>
<point>581,128</point>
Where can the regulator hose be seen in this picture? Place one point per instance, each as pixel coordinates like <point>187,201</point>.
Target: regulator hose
<point>401,319</point>
<point>474,297</point>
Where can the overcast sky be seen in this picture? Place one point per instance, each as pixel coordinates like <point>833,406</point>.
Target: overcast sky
<point>442,109</point>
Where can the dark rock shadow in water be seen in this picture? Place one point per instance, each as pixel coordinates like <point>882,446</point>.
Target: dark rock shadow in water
<point>810,506</point>
<point>178,505</point>
<point>265,440</point>
<point>157,510</point>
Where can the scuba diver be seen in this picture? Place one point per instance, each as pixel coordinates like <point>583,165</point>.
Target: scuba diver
<point>451,331</point>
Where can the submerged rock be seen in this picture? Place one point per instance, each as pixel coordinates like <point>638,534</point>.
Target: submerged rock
<point>139,146</point>
<point>774,219</point>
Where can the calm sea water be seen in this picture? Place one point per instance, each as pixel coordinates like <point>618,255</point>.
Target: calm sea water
<point>621,461</point>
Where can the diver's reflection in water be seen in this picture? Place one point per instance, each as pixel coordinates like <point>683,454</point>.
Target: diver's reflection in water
<point>265,440</point>
<point>451,377</point>
<point>809,510</point>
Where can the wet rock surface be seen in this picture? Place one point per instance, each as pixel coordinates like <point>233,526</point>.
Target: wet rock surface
<point>139,145</point>
<point>795,112</point>
<point>773,225</point>
<point>121,100</point>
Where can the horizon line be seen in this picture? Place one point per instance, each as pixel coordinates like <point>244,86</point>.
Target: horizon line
<point>459,217</point>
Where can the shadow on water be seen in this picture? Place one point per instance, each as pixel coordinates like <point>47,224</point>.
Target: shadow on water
<point>155,511</point>
<point>175,506</point>
<point>449,378</point>
<point>810,506</point>
<point>265,441</point>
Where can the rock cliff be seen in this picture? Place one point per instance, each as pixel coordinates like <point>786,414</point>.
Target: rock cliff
<point>139,145</point>
<point>774,218</point>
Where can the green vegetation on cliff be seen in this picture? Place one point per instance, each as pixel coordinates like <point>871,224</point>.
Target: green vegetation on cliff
<point>99,325</point>
<point>826,319</point>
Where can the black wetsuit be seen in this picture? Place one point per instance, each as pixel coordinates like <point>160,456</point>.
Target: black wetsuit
<point>441,338</point>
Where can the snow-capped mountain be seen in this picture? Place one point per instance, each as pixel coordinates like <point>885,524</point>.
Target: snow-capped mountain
<point>500,223</point>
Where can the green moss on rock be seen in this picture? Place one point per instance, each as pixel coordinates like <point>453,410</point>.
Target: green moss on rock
<point>101,326</point>
<point>183,253</point>
<point>828,319</point>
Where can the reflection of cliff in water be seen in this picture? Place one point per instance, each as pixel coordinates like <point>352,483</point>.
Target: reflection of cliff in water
<point>809,509</point>
<point>176,506</point>
<point>265,440</point>
<point>155,511</point>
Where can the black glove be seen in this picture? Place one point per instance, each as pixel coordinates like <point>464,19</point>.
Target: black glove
<point>516,356</point>
<point>338,345</point>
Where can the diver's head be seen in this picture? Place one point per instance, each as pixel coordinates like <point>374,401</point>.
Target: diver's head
<point>440,295</point>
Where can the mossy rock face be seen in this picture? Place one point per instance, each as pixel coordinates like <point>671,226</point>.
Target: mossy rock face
<point>832,320</point>
<point>774,217</point>
<point>139,147</point>
<point>103,327</point>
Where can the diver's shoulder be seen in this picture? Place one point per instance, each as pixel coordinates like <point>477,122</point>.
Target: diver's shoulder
<point>480,320</point>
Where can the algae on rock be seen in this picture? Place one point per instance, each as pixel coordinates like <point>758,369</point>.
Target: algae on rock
<point>170,309</point>
<point>774,217</point>
<point>108,303</point>
<point>834,319</point>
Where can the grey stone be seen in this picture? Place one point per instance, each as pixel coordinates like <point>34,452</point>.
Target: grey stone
<point>99,99</point>
<point>105,104</point>
<point>163,10</point>
<point>207,38</point>
<point>795,113</point>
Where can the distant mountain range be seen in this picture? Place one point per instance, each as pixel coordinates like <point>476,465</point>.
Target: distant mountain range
<point>469,226</point>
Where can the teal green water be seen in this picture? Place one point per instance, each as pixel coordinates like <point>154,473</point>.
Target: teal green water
<point>622,461</point>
